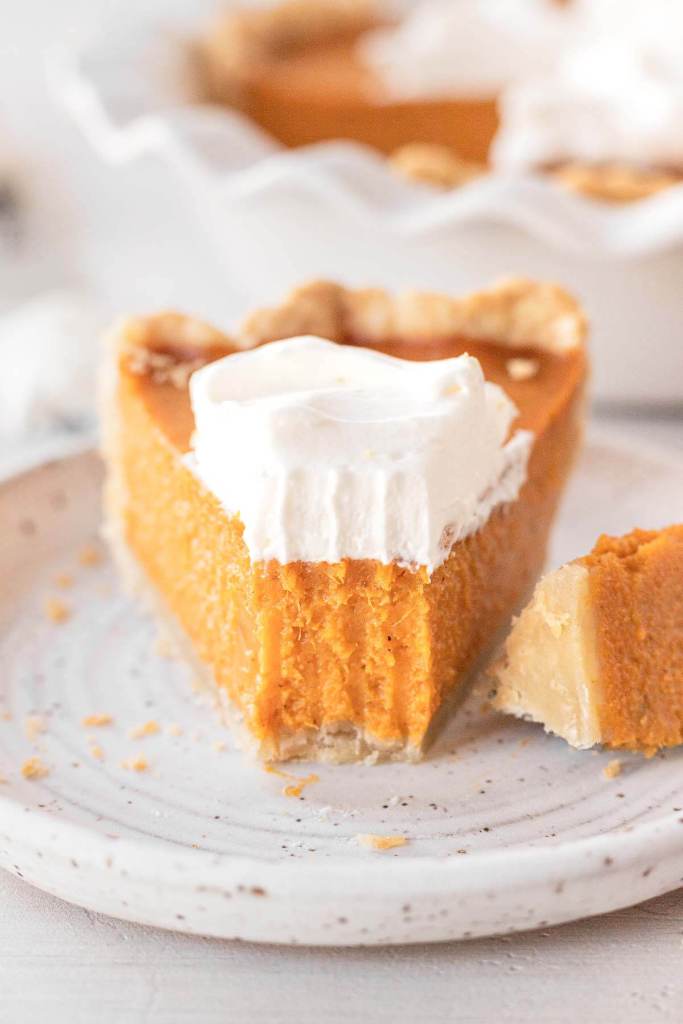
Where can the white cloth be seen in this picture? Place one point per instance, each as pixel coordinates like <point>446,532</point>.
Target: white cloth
<point>49,350</point>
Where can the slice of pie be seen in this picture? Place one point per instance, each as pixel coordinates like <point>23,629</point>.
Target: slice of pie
<point>327,641</point>
<point>597,656</point>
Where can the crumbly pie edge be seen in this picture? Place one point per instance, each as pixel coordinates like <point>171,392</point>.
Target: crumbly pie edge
<point>243,40</point>
<point>441,166</point>
<point>516,312</point>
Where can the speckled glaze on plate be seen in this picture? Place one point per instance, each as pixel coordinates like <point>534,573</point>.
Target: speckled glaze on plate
<point>506,828</point>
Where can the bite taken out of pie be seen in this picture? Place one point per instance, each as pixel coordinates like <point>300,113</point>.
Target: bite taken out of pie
<point>339,524</point>
<point>597,655</point>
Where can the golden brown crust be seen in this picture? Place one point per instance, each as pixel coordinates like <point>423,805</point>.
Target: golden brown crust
<point>169,346</point>
<point>614,182</point>
<point>440,166</point>
<point>611,182</point>
<point>516,312</point>
<point>242,41</point>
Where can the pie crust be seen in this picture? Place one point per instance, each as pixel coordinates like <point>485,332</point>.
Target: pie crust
<point>442,167</point>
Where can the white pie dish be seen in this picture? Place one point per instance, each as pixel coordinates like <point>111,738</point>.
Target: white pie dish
<point>273,217</point>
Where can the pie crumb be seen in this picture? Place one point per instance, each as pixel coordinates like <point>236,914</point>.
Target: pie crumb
<point>298,783</point>
<point>150,728</point>
<point>522,369</point>
<point>613,769</point>
<point>298,787</point>
<point>135,764</point>
<point>5,716</point>
<point>96,721</point>
<point>163,646</point>
<point>34,725</point>
<point>174,729</point>
<point>64,580</point>
<point>34,768</point>
<point>89,555</point>
<point>97,752</point>
<point>219,746</point>
<point>57,611</point>
<point>380,842</point>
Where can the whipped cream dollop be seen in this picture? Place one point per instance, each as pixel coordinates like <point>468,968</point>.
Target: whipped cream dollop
<point>473,48</point>
<point>614,94</point>
<point>329,451</point>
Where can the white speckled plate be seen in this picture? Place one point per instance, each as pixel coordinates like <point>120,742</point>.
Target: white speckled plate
<point>507,828</point>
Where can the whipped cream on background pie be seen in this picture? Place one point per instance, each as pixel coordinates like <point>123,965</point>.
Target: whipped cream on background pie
<point>615,94</point>
<point>464,47</point>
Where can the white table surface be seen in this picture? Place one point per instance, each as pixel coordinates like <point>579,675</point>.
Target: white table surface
<point>76,966</point>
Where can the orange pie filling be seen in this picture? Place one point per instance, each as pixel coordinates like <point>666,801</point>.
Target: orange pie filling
<point>349,659</point>
<point>597,656</point>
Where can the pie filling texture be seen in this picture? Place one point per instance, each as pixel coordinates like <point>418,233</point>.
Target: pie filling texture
<point>337,661</point>
<point>597,656</point>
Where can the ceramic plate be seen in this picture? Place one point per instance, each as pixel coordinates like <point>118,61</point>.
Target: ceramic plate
<point>506,828</point>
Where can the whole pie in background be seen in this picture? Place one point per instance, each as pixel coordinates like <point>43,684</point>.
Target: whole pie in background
<point>590,91</point>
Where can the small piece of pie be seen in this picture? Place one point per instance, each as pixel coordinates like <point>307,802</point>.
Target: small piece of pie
<point>339,524</point>
<point>597,655</point>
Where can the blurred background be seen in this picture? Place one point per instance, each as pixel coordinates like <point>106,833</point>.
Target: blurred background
<point>87,233</point>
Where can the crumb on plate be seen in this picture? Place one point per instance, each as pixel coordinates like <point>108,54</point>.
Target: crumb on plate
<point>34,725</point>
<point>90,555</point>
<point>150,728</point>
<point>96,752</point>
<point>612,769</point>
<point>298,783</point>
<point>57,611</point>
<point>64,580</point>
<point>174,729</point>
<point>135,764</point>
<point>96,721</point>
<point>34,768</point>
<point>380,842</point>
